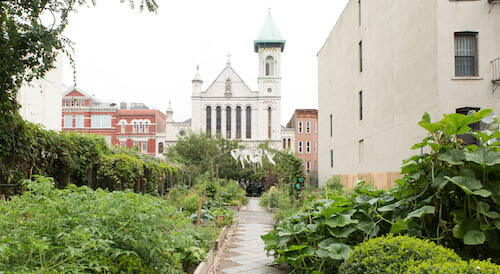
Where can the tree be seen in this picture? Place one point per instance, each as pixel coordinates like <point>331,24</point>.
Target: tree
<point>29,45</point>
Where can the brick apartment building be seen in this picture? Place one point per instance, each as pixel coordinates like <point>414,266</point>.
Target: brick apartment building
<point>134,125</point>
<point>305,123</point>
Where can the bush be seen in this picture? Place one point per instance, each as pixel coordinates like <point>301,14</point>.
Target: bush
<point>395,255</point>
<point>461,267</point>
<point>191,203</point>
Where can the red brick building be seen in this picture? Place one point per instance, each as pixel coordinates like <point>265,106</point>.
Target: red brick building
<point>305,123</point>
<point>134,125</point>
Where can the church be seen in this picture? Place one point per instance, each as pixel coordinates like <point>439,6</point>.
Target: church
<point>229,109</point>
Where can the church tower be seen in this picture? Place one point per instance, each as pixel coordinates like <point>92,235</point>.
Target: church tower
<point>269,45</point>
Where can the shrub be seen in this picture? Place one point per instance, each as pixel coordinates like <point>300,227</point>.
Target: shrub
<point>395,255</point>
<point>461,267</point>
<point>191,203</point>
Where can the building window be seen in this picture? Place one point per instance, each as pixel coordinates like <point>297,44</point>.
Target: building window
<point>123,143</point>
<point>289,142</point>
<point>77,103</point>
<point>72,103</point>
<point>80,121</point>
<point>123,124</point>
<point>146,126</point>
<point>300,147</point>
<point>360,56</point>
<point>228,122</point>
<point>135,127</point>
<point>141,127</point>
<point>249,123</point>
<point>238,122</point>
<point>68,121</point>
<point>465,54</point>
<point>315,147</point>
<point>218,121</point>
<point>101,121</point>
<point>209,121</point>
<point>108,139</point>
<point>269,122</point>
<point>308,167</point>
<point>331,158</point>
<point>284,143</point>
<point>315,127</point>
<point>160,147</point>
<point>66,103</point>
<point>308,127</point>
<point>269,65</point>
<point>136,144</point>
<point>361,105</point>
<point>361,150</point>
<point>144,146</point>
<point>300,127</point>
<point>331,125</point>
<point>308,147</point>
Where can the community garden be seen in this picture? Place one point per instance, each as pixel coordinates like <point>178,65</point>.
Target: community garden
<point>441,217</point>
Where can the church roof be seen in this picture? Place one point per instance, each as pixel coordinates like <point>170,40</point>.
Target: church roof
<point>269,34</point>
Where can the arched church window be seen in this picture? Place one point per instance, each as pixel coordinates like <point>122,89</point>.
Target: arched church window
<point>160,147</point>
<point>249,122</point>
<point>218,121</point>
<point>209,121</point>
<point>228,122</point>
<point>228,86</point>
<point>269,65</point>
<point>238,122</point>
<point>269,113</point>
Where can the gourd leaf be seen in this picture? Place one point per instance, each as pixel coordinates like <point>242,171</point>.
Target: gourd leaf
<point>452,156</point>
<point>474,237</point>
<point>335,251</point>
<point>483,156</point>
<point>341,232</point>
<point>482,192</point>
<point>398,227</point>
<point>427,209</point>
<point>497,224</point>
<point>340,220</point>
<point>467,184</point>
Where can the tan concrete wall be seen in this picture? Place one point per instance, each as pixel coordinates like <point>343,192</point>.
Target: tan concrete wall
<point>380,180</point>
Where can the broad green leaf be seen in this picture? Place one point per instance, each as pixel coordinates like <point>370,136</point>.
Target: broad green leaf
<point>341,232</point>
<point>426,118</point>
<point>483,156</point>
<point>398,227</point>
<point>467,184</point>
<point>369,227</point>
<point>327,242</point>
<point>420,212</point>
<point>340,220</point>
<point>391,207</point>
<point>335,251</point>
<point>452,156</point>
<point>497,224</point>
<point>483,207</point>
<point>482,192</point>
<point>332,210</point>
<point>474,237</point>
<point>430,127</point>
<point>492,214</point>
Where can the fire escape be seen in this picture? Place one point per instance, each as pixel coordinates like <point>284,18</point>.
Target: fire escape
<point>495,73</point>
<point>493,3</point>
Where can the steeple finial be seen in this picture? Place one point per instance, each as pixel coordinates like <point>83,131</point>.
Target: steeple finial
<point>228,58</point>
<point>197,76</point>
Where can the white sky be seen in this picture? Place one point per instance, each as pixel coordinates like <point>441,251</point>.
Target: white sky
<point>124,55</point>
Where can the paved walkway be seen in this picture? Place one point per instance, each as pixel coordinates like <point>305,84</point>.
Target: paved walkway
<point>246,253</point>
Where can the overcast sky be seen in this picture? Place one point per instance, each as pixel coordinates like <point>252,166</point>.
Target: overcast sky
<point>124,55</point>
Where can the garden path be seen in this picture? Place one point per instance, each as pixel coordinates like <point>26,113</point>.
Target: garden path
<point>246,253</point>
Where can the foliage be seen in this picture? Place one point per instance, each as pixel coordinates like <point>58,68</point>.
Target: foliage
<point>30,43</point>
<point>191,203</point>
<point>456,186</point>
<point>460,267</point>
<point>395,255</point>
<point>82,230</point>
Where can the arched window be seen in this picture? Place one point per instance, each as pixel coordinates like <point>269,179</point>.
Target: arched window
<point>269,65</point>
<point>146,127</point>
<point>238,122</point>
<point>123,124</point>
<point>249,122</point>
<point>160,147</point>
<point>269,114</point>
<point>228,122</point>
<point>135,127</point>
<point>141,127</point>
<point>228,86</point>
<point>209,121</point>
<point>218,121</point>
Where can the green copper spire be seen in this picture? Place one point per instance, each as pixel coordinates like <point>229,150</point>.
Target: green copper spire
<point>269,35</point>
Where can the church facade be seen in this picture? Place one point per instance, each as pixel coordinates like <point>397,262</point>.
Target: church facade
<point>229,109</point>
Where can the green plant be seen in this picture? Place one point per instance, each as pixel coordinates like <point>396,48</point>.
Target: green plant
<point>395,255</point>
<point>461,267</point>
<point>191,203</point>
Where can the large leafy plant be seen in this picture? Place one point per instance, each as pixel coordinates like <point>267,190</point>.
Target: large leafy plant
<point>454,188</point>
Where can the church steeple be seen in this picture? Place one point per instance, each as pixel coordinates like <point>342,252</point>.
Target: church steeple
<point>269,35</point>
<point>197,82</point>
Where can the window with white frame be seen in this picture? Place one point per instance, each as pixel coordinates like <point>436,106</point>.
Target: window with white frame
<point>308,127</point>
<point>108,140</point>
<point>122,126</point>
<point>308,147</point>
<point>123,143</point>
<point>466,54</point>
<point>141,127</point>
<point>144,146</point>
<point>77,103</point>
<point>135,127</point>
<point>66,103</point>
<point>101,121</point>
<point>146,126</point>
<point>300,127</point>
<point>315,147</point>
<point>136,143</point>
<point>315,127</point>
<point>308,167</point>
<point>300,147</point>
<point>72,103</point>
<point>68,121</point>
<point>80,121</point>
